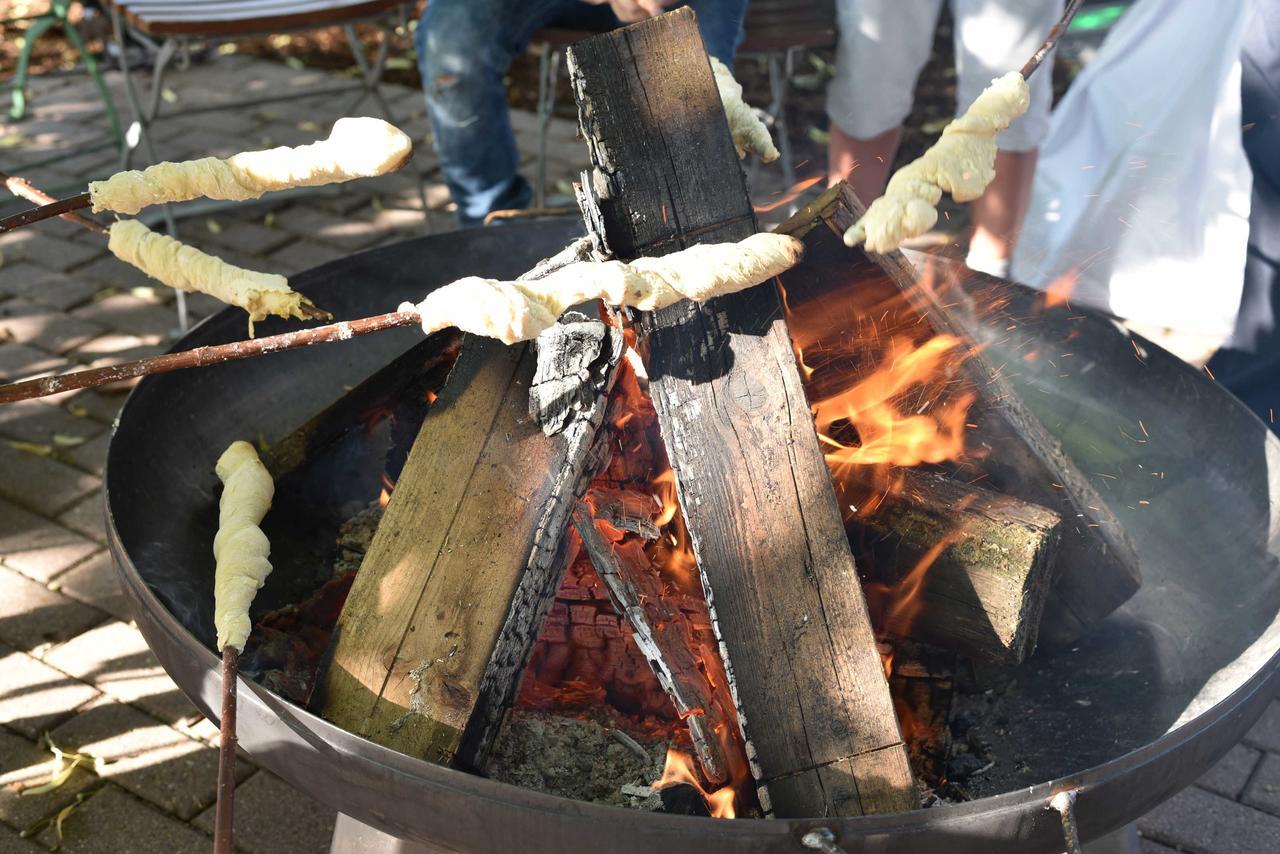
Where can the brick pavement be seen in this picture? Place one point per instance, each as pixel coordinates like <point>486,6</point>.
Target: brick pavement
<point>72,667</point>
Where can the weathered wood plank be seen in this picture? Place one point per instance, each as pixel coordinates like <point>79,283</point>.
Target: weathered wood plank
<point>432,640</point>
<point>1098,566</point>
<point>752,484</point>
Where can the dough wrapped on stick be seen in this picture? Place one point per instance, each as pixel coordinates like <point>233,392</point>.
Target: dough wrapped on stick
<point>519,311</point>
<point>188,269</point>
<point>356,148</point>
<point>240,548</point>
<point>749,133</point>
<point>961,162</point>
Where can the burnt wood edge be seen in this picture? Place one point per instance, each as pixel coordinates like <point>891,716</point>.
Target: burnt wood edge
<point>542,574</point>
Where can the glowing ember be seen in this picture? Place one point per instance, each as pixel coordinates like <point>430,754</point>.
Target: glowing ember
<point>384,497</point>
<point>679,768</point>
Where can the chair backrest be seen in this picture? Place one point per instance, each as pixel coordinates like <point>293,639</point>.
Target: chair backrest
<point>781,24</point>
<point>210,18</point>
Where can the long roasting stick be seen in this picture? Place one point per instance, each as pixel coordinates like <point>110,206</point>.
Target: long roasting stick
<point>1051,41</point>
<point>224,813</point>
<point>50,207</point>
<point>213,354</point>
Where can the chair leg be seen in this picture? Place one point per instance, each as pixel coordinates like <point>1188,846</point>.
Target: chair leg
<point>18,107</point>
<point>139,130</point>
<point>548,74</point>
<point>371,72</point>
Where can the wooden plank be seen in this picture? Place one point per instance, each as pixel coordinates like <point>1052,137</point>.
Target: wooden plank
<point>430,645</point>
<point>1098,566</point>
<point>969,569</point>
<point>751,481</point>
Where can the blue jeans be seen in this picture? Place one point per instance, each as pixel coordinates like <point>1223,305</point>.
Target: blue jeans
<point>464,50</point>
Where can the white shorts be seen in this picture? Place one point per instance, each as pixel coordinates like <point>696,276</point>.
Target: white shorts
<point>885,43</point>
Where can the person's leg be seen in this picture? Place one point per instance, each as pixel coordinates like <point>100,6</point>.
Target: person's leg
<point>464,50</point>
<point>720,22</point>
<point>991,40</point>
<point>883,45</point>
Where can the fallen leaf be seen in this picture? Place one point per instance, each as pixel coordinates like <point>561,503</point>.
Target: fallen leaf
<point>309,127</point>
<point>77,410</point>
<point>31,448</point>
<point>170,96</point>
<point>62,440</point>
<point>213,225</point>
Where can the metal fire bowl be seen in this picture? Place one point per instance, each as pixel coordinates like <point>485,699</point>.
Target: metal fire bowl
<point>1128,716</point>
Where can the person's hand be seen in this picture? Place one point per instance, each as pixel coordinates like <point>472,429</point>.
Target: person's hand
<point>630,11</point>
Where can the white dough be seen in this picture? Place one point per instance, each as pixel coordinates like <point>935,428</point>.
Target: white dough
<point>749,133</point>
<point>519,311</point>
<point>961,162</point>
<point>240,548</point>
<point>356,148</point>
<point>188,269</point>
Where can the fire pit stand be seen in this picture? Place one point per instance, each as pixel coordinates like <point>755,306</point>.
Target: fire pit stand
<point>1127,717</point>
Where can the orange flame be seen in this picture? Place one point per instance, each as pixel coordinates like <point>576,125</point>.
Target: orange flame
<point>789,195</point>
<point>679,768</point>
<point>1058,292</point>
<point>384,497</point>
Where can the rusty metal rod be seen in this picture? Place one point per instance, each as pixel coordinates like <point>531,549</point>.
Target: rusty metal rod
<point>199,357</point>
<point>1051,41</point>
<point>224,812</point>
<point>49,206</point>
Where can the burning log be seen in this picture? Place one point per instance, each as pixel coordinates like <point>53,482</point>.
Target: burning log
<point>752,483</point>
<point>447,603</point>
<point>661,632</point>
<point>966,569</point>
<point>1097,563</point>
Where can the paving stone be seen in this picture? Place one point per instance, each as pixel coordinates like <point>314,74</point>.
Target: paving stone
<point>250,236</point>
<point>10,841</point>
<point>115,658</point>
<point>38,421</point>
<point>1265,734</point>
<point>1263,790</point>
<point>1201,822</point>
<point>35,546</point>
<point>151,760</point>
<point>94,582</point>
<point>32,615</point>
<point>272,817</point>
<point>346,233</point>
<point>98,404</point>
<point>59,255</point>
<point>19,361</point>
<point>23,532</point>
<point>24,765</point>
<point>127,313</point>
<point>110,271</point>
<point>113,821</point>
<point>35,697</point>
<point>91,455</point>
<point>59,291</point>
<point>86,517</point>
<point>17,275</point>
<point>303,255</point>
<point>119,347</point>
<point>1150,846</point>
<point>40,326</point>
<point>41,484</point>
<point>1229,776</point>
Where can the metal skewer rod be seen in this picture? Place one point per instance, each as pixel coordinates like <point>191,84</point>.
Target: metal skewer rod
<point>1051,41</point>
<point>224,813</point>
<point>49,206</point>
<point>198,357</point>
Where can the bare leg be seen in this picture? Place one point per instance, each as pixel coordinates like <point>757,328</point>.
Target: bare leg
<point>998,213</point>
<point>865,162</point>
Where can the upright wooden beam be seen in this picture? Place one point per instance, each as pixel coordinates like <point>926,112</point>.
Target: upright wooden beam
<point>776,567</point>
<point>429,648</point>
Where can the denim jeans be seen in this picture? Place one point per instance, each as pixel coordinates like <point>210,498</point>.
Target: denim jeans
<point>464,50</point>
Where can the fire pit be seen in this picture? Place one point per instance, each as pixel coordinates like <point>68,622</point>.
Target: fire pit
<point>1128,715</point>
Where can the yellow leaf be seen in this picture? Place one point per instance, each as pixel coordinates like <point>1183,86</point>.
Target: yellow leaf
<point>62,440</point>
<point>31,448</point>
<point>11,140</point>
<point>170,96</point>
<point>213,225</point>
<point>310,127</point>
<point>77,410</point>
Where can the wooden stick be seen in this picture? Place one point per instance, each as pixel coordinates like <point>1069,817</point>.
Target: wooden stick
<point>1051,41</point>
<point>199,357</point>
<point>223,824</point>
<point>49,206</point>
